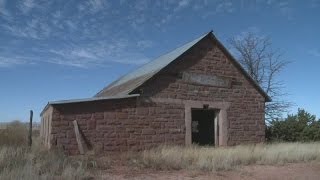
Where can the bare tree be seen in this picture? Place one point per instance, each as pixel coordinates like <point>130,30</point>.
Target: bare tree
<point>263,64</point>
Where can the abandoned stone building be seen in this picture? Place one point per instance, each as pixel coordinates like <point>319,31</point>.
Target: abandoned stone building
<point>197,93</point>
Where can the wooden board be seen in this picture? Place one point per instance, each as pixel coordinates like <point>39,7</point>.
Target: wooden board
<point>78,137</point>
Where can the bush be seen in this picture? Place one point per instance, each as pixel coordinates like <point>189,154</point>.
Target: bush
<point>296,127</point>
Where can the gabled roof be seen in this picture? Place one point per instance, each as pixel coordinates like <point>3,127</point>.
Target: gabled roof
<point>125,85</point>
<point>129,82</point>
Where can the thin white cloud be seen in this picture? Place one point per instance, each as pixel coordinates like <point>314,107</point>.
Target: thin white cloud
<point>26,5</point>
<point>98,53</point>
<point>141,5</point>
<point>21,32</point>
<point>81,53</point>
<point>93,6</point>
<point>182,4</point>
<point>10,61</point>
<point>34,28</point>
<point>4,13</point>
<point>314,52</point>
<point>143,44</point>
<point>200,5</point>
<point>224,7</point>
<point>286,9</point>
<point>220,7</point>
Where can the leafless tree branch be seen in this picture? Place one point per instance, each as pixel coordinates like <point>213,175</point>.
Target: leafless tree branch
<point>263,64</point>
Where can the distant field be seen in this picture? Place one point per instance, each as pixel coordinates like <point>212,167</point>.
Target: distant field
<point>4,125</point>
<point>18,161</point>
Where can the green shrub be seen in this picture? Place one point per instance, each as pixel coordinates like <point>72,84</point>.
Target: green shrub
<point>296,127</point>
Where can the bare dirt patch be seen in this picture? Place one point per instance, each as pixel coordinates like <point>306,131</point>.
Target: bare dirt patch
<point>308,171</point>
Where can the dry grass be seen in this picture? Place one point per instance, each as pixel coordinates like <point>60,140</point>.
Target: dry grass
<point>18,161</point>
<point>15,134</point>
<point>215,159</point>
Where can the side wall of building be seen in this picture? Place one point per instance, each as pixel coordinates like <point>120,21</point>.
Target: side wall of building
<point>45,126</point>
<point>117,125</point>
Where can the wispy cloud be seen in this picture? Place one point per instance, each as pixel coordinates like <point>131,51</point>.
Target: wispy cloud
<point>143,44</point>
<point>182,4</point>
<point>225,7</point>
<point>93,6</point>
<point>11,61</point>
<point>314,52</point>
<point>3,10</point>
<point>98,53</point>
<point>34,28</point>
<point>94,32</point>
<point>219,7</point>
<point>26,5</point>
<point>286,9</point>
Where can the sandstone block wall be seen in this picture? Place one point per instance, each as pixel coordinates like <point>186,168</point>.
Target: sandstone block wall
<point>246,113</point>
<point>117,126</point>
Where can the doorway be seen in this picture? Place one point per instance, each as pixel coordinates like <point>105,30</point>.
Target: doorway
<point>203,130</point>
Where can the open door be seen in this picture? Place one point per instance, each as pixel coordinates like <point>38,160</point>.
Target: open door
<point>203,126</point>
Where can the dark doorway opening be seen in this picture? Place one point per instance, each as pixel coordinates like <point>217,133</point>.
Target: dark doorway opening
<point>203,126</point>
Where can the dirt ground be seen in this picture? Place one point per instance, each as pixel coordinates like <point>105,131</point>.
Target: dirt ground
<point>296,171</point>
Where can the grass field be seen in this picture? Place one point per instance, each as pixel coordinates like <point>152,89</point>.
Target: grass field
<point>18,161</point>
<point>215,159</point>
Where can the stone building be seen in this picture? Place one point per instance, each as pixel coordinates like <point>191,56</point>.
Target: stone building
<point>197,93</point>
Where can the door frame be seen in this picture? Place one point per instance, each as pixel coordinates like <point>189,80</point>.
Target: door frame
<point>221,121</point>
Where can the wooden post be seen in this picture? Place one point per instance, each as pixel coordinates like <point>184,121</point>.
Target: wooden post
<point>78,137</point>
<point>30,128</point>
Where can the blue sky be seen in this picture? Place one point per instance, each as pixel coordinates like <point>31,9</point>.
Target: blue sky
<point>52,50</point>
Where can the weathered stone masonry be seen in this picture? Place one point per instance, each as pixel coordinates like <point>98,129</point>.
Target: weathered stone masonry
<point>162,112</point>
<point>114,126</point>
<point>246,111</point>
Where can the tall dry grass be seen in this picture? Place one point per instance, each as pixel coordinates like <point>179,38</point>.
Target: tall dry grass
<point>215,159</point>
<point>15,134</point>
<point>18,161</point>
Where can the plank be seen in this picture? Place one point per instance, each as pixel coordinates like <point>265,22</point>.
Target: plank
<point>78,137</point>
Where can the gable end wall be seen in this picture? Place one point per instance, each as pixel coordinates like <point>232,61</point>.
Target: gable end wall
<point>245,116</point>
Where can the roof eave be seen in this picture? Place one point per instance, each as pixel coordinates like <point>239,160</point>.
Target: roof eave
<point>92,99</point>
<point>44,109</point>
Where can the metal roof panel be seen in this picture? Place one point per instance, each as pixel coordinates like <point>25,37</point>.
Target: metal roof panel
<point>129,81</point>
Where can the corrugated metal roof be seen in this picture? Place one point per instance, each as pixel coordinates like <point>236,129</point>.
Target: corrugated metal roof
<point>92,99</point>
<point>86,100</point>
<point>134,79</point>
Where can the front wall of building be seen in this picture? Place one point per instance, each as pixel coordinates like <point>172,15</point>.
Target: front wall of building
<point>245,116</point>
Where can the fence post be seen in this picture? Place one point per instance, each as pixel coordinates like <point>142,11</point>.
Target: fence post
<point>30,128</point>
